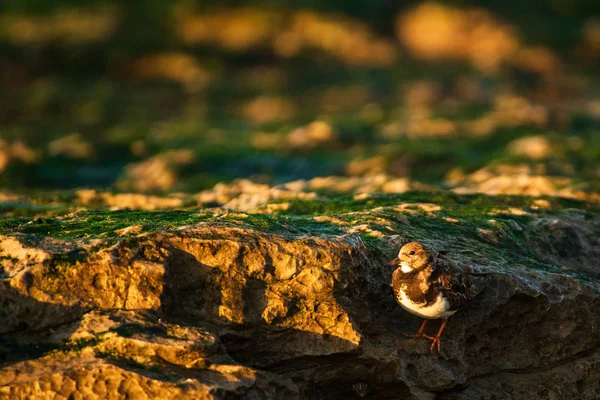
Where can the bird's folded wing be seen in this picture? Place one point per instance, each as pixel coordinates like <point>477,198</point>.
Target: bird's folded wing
<point>458,289</point>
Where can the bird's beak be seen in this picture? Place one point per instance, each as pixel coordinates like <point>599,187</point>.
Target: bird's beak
<point>395,261</point>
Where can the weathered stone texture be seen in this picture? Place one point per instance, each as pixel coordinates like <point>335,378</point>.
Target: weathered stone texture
<point>217,311</point>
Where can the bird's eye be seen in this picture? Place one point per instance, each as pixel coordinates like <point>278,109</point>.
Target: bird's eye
<point>412,252</point>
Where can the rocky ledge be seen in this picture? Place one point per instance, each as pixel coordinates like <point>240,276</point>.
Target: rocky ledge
<point>296,303</point>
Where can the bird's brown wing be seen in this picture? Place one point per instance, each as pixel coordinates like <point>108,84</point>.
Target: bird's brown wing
<point>457,287</point>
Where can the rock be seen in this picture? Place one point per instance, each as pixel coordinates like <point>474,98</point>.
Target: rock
<point>317,133</point>
<point>130,230</point>
<point>129,354</point>
<point>225,309</point>
<point>136,201</point>
<point>248,196</point>
<point>176,67</point>
<point>534,147</point>
<point>518,180</point>
<point>72,146</point>
<point>265,109</point>
<point>158,173</point>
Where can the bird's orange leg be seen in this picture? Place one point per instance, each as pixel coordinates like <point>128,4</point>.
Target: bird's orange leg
<point>436,340</point>
<point>420,333</point>
<point>422,328</point>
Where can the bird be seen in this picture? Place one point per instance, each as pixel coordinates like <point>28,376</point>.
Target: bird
<point>431,287</point>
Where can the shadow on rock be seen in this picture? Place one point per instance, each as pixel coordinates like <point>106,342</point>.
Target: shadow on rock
<point>290,327</point>
<point>31,328</point>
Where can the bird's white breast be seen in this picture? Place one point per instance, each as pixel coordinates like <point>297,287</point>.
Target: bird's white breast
<point>439,309</point>
<point>404,267</point>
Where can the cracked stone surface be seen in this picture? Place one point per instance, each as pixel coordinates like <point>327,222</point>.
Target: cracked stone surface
<point>219,310</point>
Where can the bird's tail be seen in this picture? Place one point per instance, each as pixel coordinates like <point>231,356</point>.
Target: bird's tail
<point>480,281</point>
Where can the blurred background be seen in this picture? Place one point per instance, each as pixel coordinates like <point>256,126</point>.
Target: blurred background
<point>164,97</point>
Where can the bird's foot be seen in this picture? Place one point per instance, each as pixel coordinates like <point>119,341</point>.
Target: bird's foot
<point>434,341</point>
<point>418,336</point>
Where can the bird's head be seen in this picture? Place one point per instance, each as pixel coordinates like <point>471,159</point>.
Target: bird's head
<point>412,257</point>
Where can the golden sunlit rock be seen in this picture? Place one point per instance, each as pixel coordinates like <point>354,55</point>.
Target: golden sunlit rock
<point>538,59</point>
<point>151,174</point>
<point>434,31</point>
<point>237,29</point>
<point>541,203</point>
<point>157,173</point>
<point>72,26</point>
<point>512,110</point>
<point>519,180</point>
<point>130,230</point>
<point>288,44</point>
<point>288,34</point>
<point>399,185</point>
<point>72,146</point>
<point>481,126</point>
<point>134,201</point>
<point>266,140</point>
<point>414,208</point>
<point>223,193</point>
<point>534,147</point>
<point>264,109</point>
<point>368,166</point>
<point>178,67</point>
<point>430,127</point>
<point>349,40</point>
<point>18,255</point>
<point>18,151</point>
<point>314,134</point>
<point>454,176</point>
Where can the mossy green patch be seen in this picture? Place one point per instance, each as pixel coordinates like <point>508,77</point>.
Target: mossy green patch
<point>94,224</point>
<point>76,345</point>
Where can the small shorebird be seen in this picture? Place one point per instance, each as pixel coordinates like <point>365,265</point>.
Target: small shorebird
<point>430,288</point>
